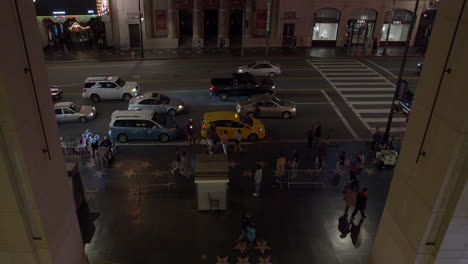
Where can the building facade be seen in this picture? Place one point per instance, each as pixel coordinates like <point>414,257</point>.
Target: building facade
<point>211,23</point>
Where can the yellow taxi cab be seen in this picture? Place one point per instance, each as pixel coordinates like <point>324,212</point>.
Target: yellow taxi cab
<point>251,128</point>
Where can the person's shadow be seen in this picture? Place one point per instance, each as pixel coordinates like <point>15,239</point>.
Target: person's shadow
<point>343,225</point>
<point>355,229</point>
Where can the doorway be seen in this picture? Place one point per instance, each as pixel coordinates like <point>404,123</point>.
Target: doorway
<point>211,27</point>
<point>289,33</point>
<point>186,27</point>
<point>235,27</point>
<point>134,35</point>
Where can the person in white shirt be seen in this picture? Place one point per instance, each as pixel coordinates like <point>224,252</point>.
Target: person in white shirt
<point>258,180</point>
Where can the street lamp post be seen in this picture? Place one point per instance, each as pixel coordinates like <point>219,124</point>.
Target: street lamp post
<point>384,52</point>
<point>140,18</point>
<point>400,73</point>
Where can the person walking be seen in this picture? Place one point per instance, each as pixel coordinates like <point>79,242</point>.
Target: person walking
<point>245,223</point>
<point>350,197</point>
<point>238,138</point>
<point>258,180</point>
<point>209,136</point>
<point>374,45</point>
<point>190,131</point>
<point>185,165</point>
<point>177,165</point>
<point>293,165</point>
<point>310,137</point>
<point>280,169</point>
<point>251,234</point>
<point>225,141</point>
<point>318,132</point>
<point>361,204</point>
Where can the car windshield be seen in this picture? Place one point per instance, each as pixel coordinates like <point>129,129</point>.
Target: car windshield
<point>75,107</point>
<point>246,120</point>
<point>159,119</point>
<point>120,82</point>
<point>277,100</point>
<point>164,99</point>
<point>250,65</point>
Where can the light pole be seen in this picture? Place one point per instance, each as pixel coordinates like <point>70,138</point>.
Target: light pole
<point>243,26</point>
<point>268,25</point>
<point>400,73</point>
<point>384,52</point>
<point>140,18</point>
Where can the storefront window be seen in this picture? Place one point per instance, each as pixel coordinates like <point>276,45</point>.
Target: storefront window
<point>400,22</point>
<point>326,24</point>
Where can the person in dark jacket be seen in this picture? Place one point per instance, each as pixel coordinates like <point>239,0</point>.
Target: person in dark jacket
<point>361,204</point>
<point>318,132</point>
<point>245,222</point>
<point>310,137</point>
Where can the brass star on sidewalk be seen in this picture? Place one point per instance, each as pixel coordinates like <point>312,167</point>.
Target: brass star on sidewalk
<point>119,164</point>
<point>262,246</point>
<point>130,173</point>
<point>90,164</point>
<point>232,164</point>
<point>158,173</point>
<point>242,246</point>
<point>145,164</point>
<point>264,260</point>
<point>262,163</point>
<point>247,173</point>
<point>243,260</point>
<point>369,171</point>
<point>222,260</point>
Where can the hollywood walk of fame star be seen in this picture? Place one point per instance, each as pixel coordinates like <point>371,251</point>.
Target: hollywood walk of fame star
<point>119,164</point>
<point>130,173</point>
<point>222,260</point>
<point>369,171</point>
<point>232,164</point>
<point>90,164</point>
<point>243,260</point>
<point>145,164</point>
<point>158,173</point>
<point>99,174</point>
<point>262,163</point>
<point>264,260</point>
<point>262,246</point>
<point>247,173</point>
<point>242,247</point>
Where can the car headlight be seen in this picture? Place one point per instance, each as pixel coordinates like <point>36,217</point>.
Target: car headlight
<point>240,70</point>
<point>91,114</point>
<point>273,87</point>
<point>294,109</point>
<point>180,107</point>
<point>260,129</point>
<point>133,90</point>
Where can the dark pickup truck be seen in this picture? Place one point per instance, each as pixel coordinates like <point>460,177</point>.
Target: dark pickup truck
<point>241,84</point>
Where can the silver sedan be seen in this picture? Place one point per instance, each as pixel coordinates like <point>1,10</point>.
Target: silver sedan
<point>261,68</point>
<point>266,106</point>
<point>157,102</point>
<point>68,111</point>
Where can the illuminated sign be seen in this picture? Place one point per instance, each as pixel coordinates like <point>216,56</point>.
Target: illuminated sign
<point>59,12</point>
<point>102,7</point>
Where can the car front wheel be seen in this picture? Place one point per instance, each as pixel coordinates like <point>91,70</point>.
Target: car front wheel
<point>286,115</point>
<point>171,112</point>
<point>83,119</point>
<point>271,74</point>
<point>95,98</point>
<point>126,97</point>
<point>253,137</point>
<point>122,138</point>
<point>164,138</point>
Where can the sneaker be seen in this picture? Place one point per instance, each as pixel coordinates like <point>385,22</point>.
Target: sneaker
<point>256,195</point>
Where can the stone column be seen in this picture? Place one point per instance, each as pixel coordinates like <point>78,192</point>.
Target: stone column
<point>249,22</point>
<point>223,22</point>
<point>341,39</point>
<point>197,39</point>
<point>274,19</point>
<point>379,23</point>
<point>171,19</point>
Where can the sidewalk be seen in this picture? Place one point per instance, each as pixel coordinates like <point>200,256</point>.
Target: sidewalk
<point>301,225</point>
<point>62,54</point>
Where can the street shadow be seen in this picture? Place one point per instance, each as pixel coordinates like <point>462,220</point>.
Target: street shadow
<point>88,227</point>
<point>355,229</point>
<point>343,225</point>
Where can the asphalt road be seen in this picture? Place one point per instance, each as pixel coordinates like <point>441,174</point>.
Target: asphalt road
<point>319,87</point>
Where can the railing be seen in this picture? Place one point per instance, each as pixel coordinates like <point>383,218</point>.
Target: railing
<point>303,177</point>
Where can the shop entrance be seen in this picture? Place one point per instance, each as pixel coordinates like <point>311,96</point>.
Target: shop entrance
<point>134,34</point>
<point>235,27</point>
<point>325,28</point>
<point>211,27</point>
<point>399,23</point>
<point>360,27</point>
<point>186,27</point>
<point>289,34</point>
<point>425,28</point>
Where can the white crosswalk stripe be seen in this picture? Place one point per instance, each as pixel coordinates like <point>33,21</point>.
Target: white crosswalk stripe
<point>367,92</point>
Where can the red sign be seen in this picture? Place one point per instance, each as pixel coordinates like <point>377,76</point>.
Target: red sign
<point>235,4</point>
<point>161,19</point>
<point>185,4</point>
<point>210,3</point>
<point>261,19</point>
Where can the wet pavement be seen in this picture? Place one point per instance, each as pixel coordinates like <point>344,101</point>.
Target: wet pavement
<point>161,224</point>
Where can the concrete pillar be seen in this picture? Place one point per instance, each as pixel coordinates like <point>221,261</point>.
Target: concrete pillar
<point>379,23</point>
<point>108,28</point>
<point>171,19</point>
<point>340,38</point>
<point>197,39</point>
<point>223,22</point>
<point>421,9</point>
<point>249,18</point>
<point>274,20</point>
<point>426,213</point>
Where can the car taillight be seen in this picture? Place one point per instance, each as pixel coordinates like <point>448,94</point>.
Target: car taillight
<point>84,90</point>
<point>212,88</point>
<point>203,126</point>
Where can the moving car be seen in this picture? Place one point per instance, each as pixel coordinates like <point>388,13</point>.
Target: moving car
<point>157,102</point>
<point>68,111</point>
<point>267,106</point>
<point>142,125</point>
<point>251,128</point>
<point>240,84</point>
<point>261,68</point>
<point>56,92</point>
<point>109,87</point>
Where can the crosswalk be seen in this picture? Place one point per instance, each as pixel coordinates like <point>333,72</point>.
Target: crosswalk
<point>367,93</point>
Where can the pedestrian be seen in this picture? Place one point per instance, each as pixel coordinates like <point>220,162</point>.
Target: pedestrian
<point>361,159</point>
<point>350,197</point>
<point>238,138</point>
<point>209,136</point>
<point>318,132</point>
<point>257,110</point>
<point>185,164</point>
<point>374,45</point>
<point>280,169</point>
<point>251,234</point>
<point>190,131</point>
<point>106,143</point>
<point>177,165</point>
<point>361,204</point>
<point>377,138</point>
<point>310,137</point>
<point>95,144</point>
<point>225,141</point>
<point>245,223</point>
<point>258,180</point>
<point>293,165</point>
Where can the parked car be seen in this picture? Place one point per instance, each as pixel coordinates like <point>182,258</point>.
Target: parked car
<point>266,106</point>
<point>261,68</point>
<point>68,111</point>
<point>109,87</point>
<point>56,92</point>
<point>251,128</point>
<point>157,102</point>
<point>241,84</point>
<point>142,125</point>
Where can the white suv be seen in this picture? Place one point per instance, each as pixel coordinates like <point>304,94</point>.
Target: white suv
<point>110,87</point>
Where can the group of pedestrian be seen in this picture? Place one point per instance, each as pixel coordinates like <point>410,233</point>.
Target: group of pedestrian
<point>355,199</point>
<point>282,163</point>
<point>248,230</point>
<point>182,164</point>
<point>314,134</point>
